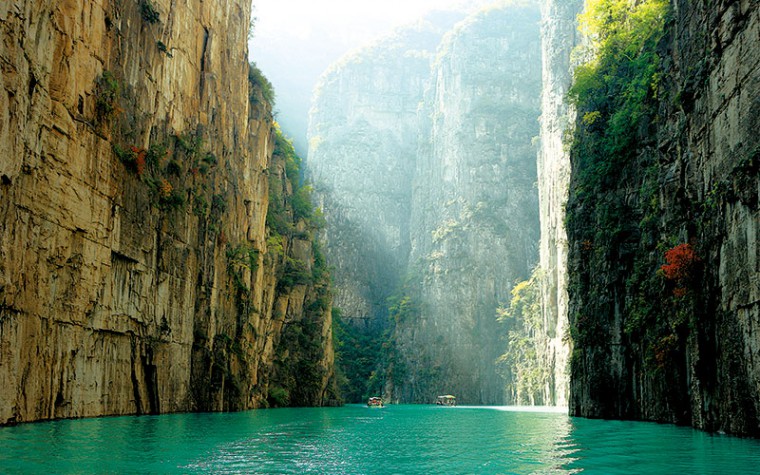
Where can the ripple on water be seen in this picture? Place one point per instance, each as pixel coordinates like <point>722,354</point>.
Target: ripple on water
<point>355,440</point>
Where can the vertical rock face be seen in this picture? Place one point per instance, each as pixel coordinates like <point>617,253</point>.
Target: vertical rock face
<point>299,363</point>
<point>474,219</point>
<point>362,147</point>
<point>436,207</point>
<point>680,344</point>
<point>558,38</point>
<point>134,274</point>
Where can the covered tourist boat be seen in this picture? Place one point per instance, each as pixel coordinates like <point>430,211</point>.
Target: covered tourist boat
<point>375,402</point>
<point>447,400</point>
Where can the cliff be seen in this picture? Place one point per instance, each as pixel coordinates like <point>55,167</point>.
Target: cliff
<point>421,152</point>
<point>474,214</point>
<point>138,273</point>
<point>362,149</point>
<point>558,38</point>
<point>538,347</point>
<point>663,220</point>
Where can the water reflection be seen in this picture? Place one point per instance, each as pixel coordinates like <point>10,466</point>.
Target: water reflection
<point>625,447</point>
<point>355,440</point>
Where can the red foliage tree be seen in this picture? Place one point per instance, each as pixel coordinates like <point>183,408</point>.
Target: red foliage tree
<point>681,264</point>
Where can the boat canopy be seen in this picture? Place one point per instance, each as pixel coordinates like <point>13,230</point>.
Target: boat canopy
<point>447,400</point>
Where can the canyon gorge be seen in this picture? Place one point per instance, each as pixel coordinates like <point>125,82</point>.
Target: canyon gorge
<point>545,202</point>
<point>646,307</point>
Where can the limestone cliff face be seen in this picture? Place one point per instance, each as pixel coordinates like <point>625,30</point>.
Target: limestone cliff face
<point>362,148</point>
<point>474,215</point>
<point>134,275</point>
<point>421,149</point>
<point>558,38</point>
<point>299,365</point>
<point>680,344</point>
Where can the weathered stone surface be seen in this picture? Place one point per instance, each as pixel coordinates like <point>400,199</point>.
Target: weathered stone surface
<point>558,38</point>
<point>474,216</point>
<point>117,294</point>
<point>703,367</point>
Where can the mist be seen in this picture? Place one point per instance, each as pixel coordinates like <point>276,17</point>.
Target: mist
<point>294,42</point>
<point>417,122</point>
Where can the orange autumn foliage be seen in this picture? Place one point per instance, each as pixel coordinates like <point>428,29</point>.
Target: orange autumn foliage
<point>680,262</point>
<point>140,154</point>
<point>166,188</point>
<point>681,265</point>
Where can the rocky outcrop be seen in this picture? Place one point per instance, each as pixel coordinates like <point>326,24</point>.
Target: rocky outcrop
<point>665,304</point>
<point>134,268</point>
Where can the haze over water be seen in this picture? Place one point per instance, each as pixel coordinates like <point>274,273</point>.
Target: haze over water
<point>356,440</point>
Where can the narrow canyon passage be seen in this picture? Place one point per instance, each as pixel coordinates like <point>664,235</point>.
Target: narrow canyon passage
<point>491,231</point>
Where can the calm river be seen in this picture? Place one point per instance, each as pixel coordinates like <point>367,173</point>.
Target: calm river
<point>356,440</point>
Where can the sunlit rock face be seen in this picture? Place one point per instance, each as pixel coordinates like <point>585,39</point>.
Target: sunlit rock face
<point>474,229</point>
<point>688,351</point>
<point>362,151</point>
<point>422,150</point>
<point>558,37</point>
<point>135,273</point>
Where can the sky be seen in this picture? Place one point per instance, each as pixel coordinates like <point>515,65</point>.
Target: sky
<point>294,41</point>
<point>356,20</point>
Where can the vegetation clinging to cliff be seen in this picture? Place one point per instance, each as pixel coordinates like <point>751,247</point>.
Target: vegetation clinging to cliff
<point>613,90</point>
<point>617,228</point>
<point>358,354</point>
<point>260,83</point>
<point>288,206</point>
<point>615,94</point>
<point>521,365</point>
<point>302,373</point>
<point>291,216</point>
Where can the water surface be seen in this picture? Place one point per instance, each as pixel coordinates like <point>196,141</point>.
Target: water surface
<point>356,440</point>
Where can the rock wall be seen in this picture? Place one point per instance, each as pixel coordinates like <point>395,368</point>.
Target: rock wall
<point>672,301</point>
<point>474,214</point>
<point>362,148</point>
<point>299,364</point>
<point>431,208</point>
<point>558,38</point>
<point>134,179</point>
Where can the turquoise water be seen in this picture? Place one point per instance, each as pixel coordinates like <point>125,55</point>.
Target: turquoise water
<point>357,440</point>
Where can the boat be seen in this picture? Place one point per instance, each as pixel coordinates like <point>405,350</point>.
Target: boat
<point>447,400</point>
<point>375,402</point>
